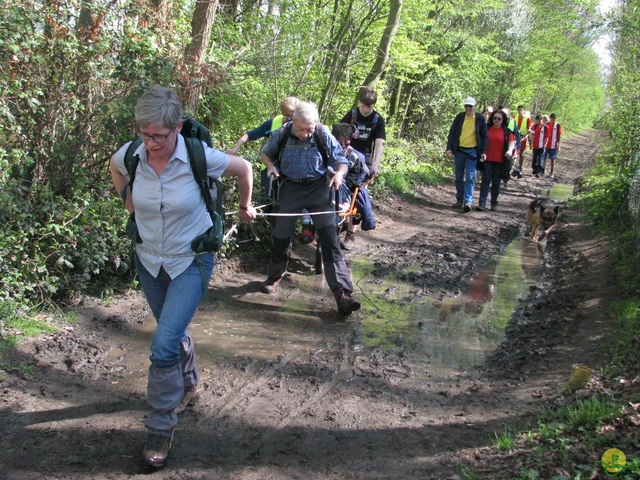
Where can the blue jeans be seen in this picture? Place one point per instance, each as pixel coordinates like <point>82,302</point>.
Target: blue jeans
<point>491,179</point>
<point>465,175</point>
<point>173,359</point>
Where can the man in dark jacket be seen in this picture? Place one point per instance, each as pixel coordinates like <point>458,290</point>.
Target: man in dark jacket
<point>467,142</point>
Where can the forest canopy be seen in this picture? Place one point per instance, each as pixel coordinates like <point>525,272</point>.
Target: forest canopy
<point>73,69</point>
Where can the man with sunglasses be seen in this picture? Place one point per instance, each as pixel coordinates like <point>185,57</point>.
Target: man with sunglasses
<point>467,143</point>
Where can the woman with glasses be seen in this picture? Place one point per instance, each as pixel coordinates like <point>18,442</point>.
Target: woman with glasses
<point>500,142</point>
<point>170,213</point>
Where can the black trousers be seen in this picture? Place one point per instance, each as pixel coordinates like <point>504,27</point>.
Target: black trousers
<point>315,197</point>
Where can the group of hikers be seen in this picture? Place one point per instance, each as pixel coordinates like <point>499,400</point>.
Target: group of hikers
<point>492,143</point>
<point>174,228</point>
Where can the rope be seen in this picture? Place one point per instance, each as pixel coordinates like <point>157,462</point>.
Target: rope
<point>262,214</point>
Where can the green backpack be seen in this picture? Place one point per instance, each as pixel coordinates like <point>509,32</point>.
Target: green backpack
<point>194,134</point>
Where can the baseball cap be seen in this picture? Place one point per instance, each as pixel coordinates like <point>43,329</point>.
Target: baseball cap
<point>469,101</point>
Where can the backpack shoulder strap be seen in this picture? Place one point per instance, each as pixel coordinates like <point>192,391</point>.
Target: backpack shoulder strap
<point>285,133</point>
<point>354,116</point>
<point>198,164</point>
<point>322,147</point>
<point>131,161</point>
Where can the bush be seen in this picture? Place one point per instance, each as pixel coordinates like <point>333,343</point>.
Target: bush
<point>52,246</point>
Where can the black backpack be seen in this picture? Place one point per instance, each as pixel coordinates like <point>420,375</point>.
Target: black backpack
<point>194,134</point>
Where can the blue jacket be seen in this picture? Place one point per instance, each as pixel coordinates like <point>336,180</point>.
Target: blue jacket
<point>455,131</point>
<point>365,211</point>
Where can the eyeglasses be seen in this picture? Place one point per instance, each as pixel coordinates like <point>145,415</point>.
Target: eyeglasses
<point>158,138</point>
<point>468,106</point>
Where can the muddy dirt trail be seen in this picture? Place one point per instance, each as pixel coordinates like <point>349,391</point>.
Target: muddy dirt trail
<point>320,399</point>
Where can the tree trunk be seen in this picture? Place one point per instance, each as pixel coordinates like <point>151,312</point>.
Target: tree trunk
<point>195,53</point>
<point>382,57</point>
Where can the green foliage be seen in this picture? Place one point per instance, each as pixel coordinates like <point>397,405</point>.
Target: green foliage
<point>604,195</point>
<point>624,83</point>
<point>57,244</point>
<point>625,348</point>
<point>407,165</point>
<point>590,413</point>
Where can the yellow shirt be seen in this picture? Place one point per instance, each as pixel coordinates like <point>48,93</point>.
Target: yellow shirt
<point>468,135</point>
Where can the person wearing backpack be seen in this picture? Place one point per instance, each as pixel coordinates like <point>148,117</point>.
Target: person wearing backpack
<point>310,166</point>
<point>370,135</point>
<point>467,144</point>
<point>171,213</point>
<point>264,130</point>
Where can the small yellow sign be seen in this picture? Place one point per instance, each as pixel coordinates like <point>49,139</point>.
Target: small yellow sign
<point>613,461</point>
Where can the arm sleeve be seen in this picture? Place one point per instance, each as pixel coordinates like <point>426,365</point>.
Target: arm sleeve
<point>261,131</point>
<point>270,148</point>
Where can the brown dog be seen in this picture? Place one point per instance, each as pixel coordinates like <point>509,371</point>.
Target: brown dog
<point>542,212</point>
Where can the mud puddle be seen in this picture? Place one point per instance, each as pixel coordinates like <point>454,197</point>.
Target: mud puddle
<point>449,334</point>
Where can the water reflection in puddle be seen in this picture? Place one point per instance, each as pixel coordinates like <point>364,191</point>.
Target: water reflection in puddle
<point>453,333</point>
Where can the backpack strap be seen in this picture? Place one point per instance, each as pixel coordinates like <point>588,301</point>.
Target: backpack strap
<point>198,164</point>
<point>320,145</point>
<point>131,161</point>
<point>285,133</point>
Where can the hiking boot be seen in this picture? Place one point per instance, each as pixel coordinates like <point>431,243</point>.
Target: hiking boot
<point>519,175</point>
<point>156,450</point>
<point>458,204</point>
<point>270,285</point>
<point>346,304</point>
<point>467,208</point>
<point>515,172</point>
<point>307,234</point>
<point>480,208</point>
<point>348,242</point>
<point>189,396</point>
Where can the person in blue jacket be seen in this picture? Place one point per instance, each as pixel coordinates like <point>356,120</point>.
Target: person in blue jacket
<point>287,107</point>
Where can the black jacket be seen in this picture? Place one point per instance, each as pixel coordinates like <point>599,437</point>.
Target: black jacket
<point>456,129</point>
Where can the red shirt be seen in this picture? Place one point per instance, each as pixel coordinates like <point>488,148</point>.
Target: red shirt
<point>554,131</point>
<point>495,144</point>
<point>540,136</point>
